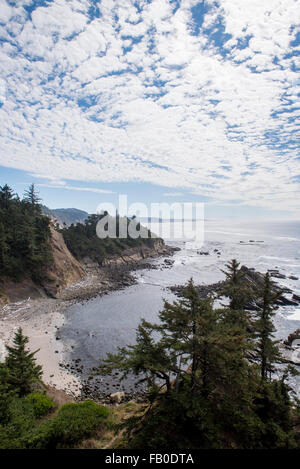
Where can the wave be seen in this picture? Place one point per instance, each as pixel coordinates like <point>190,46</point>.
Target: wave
<point>281,259</point>
<point>229,233</point>
<point>286,238</point>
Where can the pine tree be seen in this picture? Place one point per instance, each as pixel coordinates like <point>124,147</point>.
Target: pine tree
<point>237,292</point>
<point>24,236</point>
<point>197,356</point>
<point>6,394</point>
<point>147,358</point>
<point>6,195</point>
<point>205,393</point>
<point>267,352</point>
<point>32,198</point>
<point>3,248</point>
<point>21,365</point>
<point>186,327</point>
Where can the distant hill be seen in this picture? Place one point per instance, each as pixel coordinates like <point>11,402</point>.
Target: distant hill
<point>66,215</point>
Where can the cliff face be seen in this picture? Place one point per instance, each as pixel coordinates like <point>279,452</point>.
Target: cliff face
<point>65,269</point>
<point>133,255</point>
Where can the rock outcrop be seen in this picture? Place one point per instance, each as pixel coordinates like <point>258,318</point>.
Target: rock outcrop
<point>65,269</point>
<point>292,338</point>
<point>117,397</point>
<point>137,254</point>
<point>252,280</point>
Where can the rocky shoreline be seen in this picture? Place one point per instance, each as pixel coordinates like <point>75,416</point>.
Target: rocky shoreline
<point>42,318</point>
<point>254,280</point>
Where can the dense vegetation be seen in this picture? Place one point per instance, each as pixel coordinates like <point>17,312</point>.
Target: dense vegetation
<point>28,417</point>
<point>216,378</point>
<point>24,235</point>
<point>82,240</point>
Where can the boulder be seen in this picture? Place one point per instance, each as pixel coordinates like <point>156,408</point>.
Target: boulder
<point>277,275</point>
<point>292,337</point>
<point>169,261</point>
<point>293,277</point>
<point>282,301</point>
<point>117,397</point>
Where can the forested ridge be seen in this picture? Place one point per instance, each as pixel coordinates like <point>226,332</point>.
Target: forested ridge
<point>82,240</point>
<point>24,235</point>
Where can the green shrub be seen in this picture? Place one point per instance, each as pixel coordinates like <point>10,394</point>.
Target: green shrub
<point>40,403</point>
<point>21,421</point>
<point>72,423</point>
<point>76,421</point>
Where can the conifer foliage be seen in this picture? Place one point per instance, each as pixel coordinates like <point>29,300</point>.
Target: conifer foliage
<point>267,348</point>
<point>24,235</point>
<point>210,373</point>
<point>22,370</point>
<point>82,240</point>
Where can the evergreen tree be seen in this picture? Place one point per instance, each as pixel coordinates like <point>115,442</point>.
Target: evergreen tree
<point>238,293</point>
<point>24,236</point>
<point>31,197</point>
<point>267,351</point>
<point>6,394</point>
<point>3,247</point>
<point>204,390</point>
<point>200,359</point>
<point>6,195</point>
<point>185,328</point>
<point>21,365</point>
<point>182,349</point>
<point>147,358</point>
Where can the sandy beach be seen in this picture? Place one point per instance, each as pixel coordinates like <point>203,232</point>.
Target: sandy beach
<point>40,321</point>
<point>42,318</point>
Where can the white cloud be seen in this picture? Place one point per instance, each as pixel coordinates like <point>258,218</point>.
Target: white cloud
<point>60,185</point>
<point>172,111</point>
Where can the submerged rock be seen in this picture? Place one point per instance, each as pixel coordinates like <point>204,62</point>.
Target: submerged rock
<point>278,275</point>
<point>293,277</point>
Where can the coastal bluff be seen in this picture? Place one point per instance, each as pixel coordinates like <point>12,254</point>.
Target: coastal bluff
<point>65,270</point>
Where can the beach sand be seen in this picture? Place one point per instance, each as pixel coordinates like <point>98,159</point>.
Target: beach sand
<point>40,321</point>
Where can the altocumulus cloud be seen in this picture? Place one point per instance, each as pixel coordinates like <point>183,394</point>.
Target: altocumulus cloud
<point>194,95</point>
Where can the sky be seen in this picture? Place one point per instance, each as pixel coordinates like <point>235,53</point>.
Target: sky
<point>163,100</point>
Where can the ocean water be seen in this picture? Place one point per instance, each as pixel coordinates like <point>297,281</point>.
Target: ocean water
<point>100,325</point>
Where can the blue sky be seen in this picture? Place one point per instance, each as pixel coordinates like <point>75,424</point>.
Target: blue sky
<point>163,100</point>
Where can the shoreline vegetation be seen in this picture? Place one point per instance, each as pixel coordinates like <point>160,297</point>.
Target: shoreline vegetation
<point>215,379</point>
